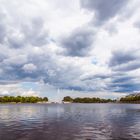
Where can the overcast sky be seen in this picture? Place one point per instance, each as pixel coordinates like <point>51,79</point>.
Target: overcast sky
<point>82,48</point>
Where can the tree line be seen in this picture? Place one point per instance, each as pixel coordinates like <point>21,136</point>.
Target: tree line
<point>86,100</point>
<point>20,99</point>
<point>130,99</point>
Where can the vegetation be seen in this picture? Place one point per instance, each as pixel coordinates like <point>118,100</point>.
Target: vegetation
<point>87,100</point>
<point>68,99</point>
<point>20,99</point>
<point>130,99</point>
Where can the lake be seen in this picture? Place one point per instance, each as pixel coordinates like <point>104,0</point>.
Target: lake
<point>69,122</point>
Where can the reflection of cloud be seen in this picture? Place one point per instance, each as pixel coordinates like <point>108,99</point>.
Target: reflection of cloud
<point>71,121</point>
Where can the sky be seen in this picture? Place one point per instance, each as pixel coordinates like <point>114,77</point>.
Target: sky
<point>80,48</point>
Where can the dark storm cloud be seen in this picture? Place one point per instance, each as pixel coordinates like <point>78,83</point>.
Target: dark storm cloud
<point>123,78</point>
<point>104,9</point>
<point>126,87</point>
<point>78,43</point>
<point>122,82</point>
<point>121,57</point>
<point>124,61</point>
<point>129,66</point>
<point>115,82</point>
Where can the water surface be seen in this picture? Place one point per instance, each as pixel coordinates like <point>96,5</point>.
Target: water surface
<point>69,122</point>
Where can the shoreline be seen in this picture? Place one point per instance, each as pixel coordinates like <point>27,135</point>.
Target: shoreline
<point>66,103</point>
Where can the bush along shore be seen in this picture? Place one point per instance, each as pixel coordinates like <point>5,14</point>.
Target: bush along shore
<point>132,98</point>
<point>20,99</point>
<point>68,99</point>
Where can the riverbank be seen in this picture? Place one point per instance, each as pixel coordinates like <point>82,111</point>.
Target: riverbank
<point>70,103</point>
<point>22,99</point>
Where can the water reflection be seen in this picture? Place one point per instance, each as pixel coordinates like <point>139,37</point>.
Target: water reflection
<point>70,122</point>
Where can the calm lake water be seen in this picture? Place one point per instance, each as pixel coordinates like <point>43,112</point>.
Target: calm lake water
<point>70,122</point>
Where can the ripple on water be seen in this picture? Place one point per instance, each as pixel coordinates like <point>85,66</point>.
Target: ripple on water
<point>70,122</point>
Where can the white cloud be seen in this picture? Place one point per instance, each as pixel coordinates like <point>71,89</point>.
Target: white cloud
<point>16,90</point>
<point>62,45</point>
<point>29,68</point>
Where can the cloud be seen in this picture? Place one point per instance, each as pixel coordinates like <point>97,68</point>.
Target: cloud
<point>128,67</point>
<point>124,83</point>
<point>29,68</point>
<point>3,30</point>
<point>121,57</point>
<point>104,10</point>
<point>61,47</point>
<point>14,60</point>
<point>35,32</point>
<point>124,60</point>
<point>137,24</point>
<point>32,33</point>
<point>78,43</point>
<point>2,33</point>
<point>16,90</point>
<point>124,64</point>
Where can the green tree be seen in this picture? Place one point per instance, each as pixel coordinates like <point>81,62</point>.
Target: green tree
<point>19,99</point>
<point>67,99</point>
<point>45,99</point>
